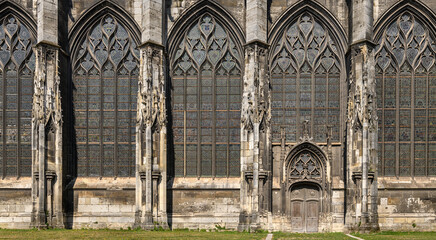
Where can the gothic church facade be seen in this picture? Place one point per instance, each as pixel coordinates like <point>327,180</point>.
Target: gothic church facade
<point>282,115</point>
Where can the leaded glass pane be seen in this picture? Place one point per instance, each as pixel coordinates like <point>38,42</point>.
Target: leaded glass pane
<point>420,164</point>
<point>105,89</point>
<point>305,81</point>
<point>432,159</point>
<point>17,64</point>
<point>389,159</point>
<point>206,98</point>
<point>404,80</point>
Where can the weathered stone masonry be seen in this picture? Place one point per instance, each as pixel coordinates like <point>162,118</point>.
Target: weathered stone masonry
<point>296,115</point>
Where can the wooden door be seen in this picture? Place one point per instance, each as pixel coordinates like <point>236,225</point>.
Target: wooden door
<point>305,208</point>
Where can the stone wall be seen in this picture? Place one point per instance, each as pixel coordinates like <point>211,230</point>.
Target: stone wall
<point>15,203</point>
<point>204,203</point>
<point>407,204</point>
<point>205,209</point>
<point>105,203</point>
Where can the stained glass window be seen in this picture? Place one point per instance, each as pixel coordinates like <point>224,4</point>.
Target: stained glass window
<point>17,64</point>
<point>405,75</point>
<point>305,81</point>
<point>206,101</point>
<point>105,89</point>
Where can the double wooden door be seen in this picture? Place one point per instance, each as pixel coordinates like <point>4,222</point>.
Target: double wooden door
<point>305,208</point>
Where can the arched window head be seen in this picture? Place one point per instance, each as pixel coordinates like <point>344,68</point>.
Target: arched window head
<point>207,43</point>
<point>17,64</point>
<point>305,78</point>
<point>406,90</point>
<point>105,88</point>
<point>206,80</point>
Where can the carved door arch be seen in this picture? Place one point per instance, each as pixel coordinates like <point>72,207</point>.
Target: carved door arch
<point>305,177</point>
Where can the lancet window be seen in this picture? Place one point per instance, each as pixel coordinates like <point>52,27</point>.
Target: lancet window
<point>105,91</point>
<point>17,64</point>
<point>305,78</point>
<point>206,100</point>
<point>406,93</point>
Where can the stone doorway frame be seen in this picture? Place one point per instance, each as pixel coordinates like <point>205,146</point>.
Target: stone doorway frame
<point>323,182</point>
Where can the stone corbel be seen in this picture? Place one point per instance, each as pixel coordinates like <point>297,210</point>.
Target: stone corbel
<point>248,175</point>
<point>357,176</point>
<point>263,176</point>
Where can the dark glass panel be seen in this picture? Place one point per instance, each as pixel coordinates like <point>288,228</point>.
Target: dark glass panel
<point>420,91</point>
<point>221,160</point>
<point>178,160</point>
<point>432,125</point>
<point>405,159</point>
<point>316,87</point>
<point>235,160</point>
<point>100,96</point>
<point>207,96</point>
<point>420,125</point>
<point>405,125</point>
<point>191,159</point>
<point>432,159</point>
<point>389,90</point>
<point>389,159</point>
<point>419,160</point>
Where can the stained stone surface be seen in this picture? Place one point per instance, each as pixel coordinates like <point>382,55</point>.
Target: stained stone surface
<point>280,115</point>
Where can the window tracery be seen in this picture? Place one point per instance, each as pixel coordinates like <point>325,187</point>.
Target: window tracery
<point>305,167</point>
<point>105,80</point>
<point>305,74</point>
<point>206,80</point>
<point>405,72</point>
<point>17,64</point>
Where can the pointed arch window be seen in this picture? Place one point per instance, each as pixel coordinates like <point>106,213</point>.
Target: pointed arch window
<point>105,90</point>
<point>406,93</point>
<point>17,64</point>
<point>305,78</point>
<point>206,100</point>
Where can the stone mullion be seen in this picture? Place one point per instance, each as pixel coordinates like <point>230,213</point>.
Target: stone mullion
<point>18,123</point>
<point>312,104</point>
<point>427,112</point>
<point>412,125</point>
<point>101,125</point>
<point>283,93</point>
<point>4,126</point>
<point>228,125</point>
<point>298,93</point>
<point>327,98</point>
<point>130,127</point>
<point>397,124</point>
<point>382,127</point>
<point>199,111</point>
<point>115,157</point>
<point>214,128</point>
<point>87,125</point>
<point>185,112</point>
